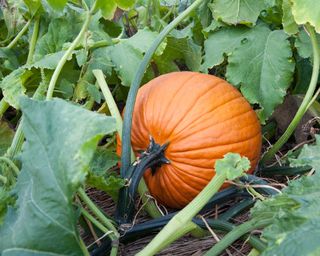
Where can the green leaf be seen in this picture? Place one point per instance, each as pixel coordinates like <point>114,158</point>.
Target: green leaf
<point>61,139</point>
<point>6,136</point>
<point>125,4</point>
<point>108,8</point>
<point>307,11</point>
<point>295,218</point>
<point>33,5</point>
<point>61,30</point>
<point>48,61</point>
<point>57,4</point>
<point>289,25</point>
<point>9,55</point>
<point>101,177</point>
<point>237,11</point>
<point>183,49</point>
<point>222,42</point>
<point>310,155</point>
<point>126,59</point>
<point>303,44</point>
<point>13,86</point>
<point>263,66</point>
<point>232,165</point>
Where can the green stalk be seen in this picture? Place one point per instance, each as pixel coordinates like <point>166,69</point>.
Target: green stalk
<point>98,224</point>
<point>69,51</point>
<point>127,123</point>
<point>305,103</point>
<point>84,248</point>
<point>3,179</point>
<point>235,234</point>
<point>18,138</point>
<point>171,231</point>
<point>149,206</point>
<point>34,39</point>
<point>105,221</point>
<point>11,164</point>
<point>19,35</point>
<point>3,107</point>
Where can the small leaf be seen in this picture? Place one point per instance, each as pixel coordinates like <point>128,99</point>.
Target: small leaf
<point>13,86</point>
<point>6,136</point>
<point>263,67</point>
<point>289,24</point>
<point>310,155</point>
<point>57,4</point>
<point>108,8</point>
<point>125,4</point>
<point>307,11</point>
<point>237,11</point>
<point>61,139</point>
<point>232,165</point>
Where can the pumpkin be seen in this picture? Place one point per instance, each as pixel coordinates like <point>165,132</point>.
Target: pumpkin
<point>202,117</point>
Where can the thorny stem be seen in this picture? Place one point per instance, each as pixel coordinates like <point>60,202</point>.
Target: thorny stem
<point>306,101</point>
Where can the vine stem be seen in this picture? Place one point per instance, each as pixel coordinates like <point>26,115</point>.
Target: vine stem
<point>11,164</point>
<point>149,205</point>
<point>18,138</point>
<point>306,101</point>
<point>127,123</point>
<point>98,224</point>
<point>19,35</point>
<point>235,234</point>
<point>69,51</point>
<point>183,219</point>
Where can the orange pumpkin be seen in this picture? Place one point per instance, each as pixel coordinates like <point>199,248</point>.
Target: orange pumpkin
<point>202,117</point>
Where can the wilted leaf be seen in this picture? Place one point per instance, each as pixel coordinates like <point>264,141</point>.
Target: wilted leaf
<point>6,136</point>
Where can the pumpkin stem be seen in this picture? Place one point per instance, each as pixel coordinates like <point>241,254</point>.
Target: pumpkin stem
<point>153,157</point>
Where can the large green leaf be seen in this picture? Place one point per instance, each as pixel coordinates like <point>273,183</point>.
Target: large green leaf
<point>222,42</point>
<point>262,65</point>
<point>125,4</point>
<point>61,30</point>
<point>60,141</point>
<point>237,11</point>
<point>307,11</point>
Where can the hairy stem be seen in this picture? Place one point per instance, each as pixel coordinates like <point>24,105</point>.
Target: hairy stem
<point>306,101</point>
<point>69,51</point>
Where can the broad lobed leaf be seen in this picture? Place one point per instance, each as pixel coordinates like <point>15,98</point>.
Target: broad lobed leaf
<point>60,141</point>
